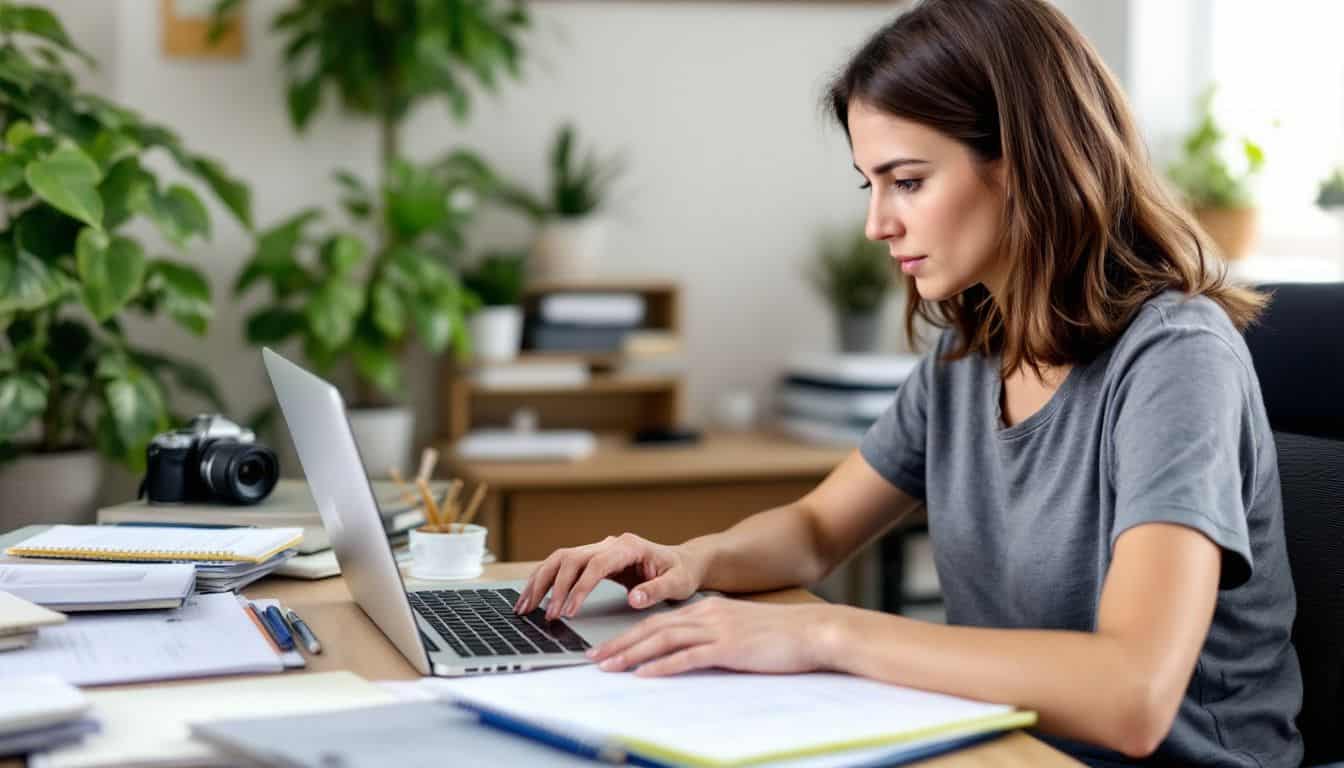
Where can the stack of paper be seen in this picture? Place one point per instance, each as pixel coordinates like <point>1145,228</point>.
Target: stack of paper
<point>232,576</point>
<point>208,635</point>
<point>20,620</point>
<point>728,719</point>
<point>98,586</point>
<point>834,400</point>
<point>517,445</point>
<point>40,713</point>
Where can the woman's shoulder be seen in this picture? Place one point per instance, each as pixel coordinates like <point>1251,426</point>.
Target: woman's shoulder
<point>1174,326</point>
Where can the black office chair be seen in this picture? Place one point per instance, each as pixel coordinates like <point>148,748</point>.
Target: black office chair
<point>1298,351</point>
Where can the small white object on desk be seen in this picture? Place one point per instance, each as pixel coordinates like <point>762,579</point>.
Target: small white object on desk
<point>98,586</point>
<point>516,445</point>
<point>20,620</point>
<point>37,702</point>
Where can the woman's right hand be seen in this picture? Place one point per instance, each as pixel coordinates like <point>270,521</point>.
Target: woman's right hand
<point>652,572</point>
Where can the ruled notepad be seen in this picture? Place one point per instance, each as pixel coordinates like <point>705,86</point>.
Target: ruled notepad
<point>116,542</point>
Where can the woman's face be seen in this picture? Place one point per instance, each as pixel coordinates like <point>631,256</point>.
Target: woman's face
<point>936,205</point>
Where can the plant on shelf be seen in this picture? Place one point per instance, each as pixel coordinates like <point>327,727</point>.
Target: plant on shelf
<point>497,326</point>
<point>854,275</point>
<point>572,232</point>
<point>1330,196</point>
<point>360,301</point>
<point>1215,179</point>
<point>74,174</point>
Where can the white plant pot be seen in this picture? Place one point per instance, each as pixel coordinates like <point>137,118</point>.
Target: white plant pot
<point>51,488</point>
<point>384,437</point>
<point>496,333</point>
<point>568,249</point>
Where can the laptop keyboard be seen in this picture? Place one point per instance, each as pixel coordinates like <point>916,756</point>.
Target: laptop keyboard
<point>481,622</point>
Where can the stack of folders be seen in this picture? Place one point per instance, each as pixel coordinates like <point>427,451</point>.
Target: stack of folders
<point>99,586</point>
<point>834,400</point>
<point>42,712</point>
<point>225,559</point>
<point>585,322</point>
<point>20,620</point>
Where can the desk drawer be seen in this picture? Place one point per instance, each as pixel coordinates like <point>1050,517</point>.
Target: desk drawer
<point>540,522</point>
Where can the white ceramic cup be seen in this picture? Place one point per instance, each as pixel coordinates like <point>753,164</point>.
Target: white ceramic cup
<point>455,555</point>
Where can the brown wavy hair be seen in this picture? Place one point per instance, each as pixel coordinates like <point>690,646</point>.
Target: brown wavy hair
<point>1090,231</point>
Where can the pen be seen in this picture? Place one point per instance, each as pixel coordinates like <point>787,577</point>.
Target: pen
<point>305,633</point>
<point>262,625</point>
<point>276,621</point>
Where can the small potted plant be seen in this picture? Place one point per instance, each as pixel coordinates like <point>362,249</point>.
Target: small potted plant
<point>573,231</point>
<point>854,275</point>
<point>497,325</point>
<point>1215,180</point>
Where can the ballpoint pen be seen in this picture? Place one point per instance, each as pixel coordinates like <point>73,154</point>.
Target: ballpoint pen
<point>305,633</point>
<point>276,621</point>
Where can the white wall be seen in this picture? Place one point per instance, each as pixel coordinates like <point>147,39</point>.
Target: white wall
<point>732,167</point>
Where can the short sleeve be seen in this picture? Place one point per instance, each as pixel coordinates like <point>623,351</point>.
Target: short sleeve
<point>895,445</point>
<point>1184,442</point>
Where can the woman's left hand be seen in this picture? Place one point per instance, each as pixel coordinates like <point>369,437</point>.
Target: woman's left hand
<point>718,632</point>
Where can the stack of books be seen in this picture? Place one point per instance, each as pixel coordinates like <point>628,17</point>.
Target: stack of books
<point>834,400</point>
<point>585,322</point>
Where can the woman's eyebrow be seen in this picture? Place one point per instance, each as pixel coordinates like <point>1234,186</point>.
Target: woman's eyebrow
<point>890,164</point>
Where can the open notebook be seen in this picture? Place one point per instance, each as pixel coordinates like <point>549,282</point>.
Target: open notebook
<point>725,719</point>
<point>112,542</point>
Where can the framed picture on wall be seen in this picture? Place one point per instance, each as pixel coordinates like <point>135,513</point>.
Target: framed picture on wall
<point>185,28</point>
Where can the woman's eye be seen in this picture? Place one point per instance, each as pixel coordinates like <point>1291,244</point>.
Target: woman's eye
<point>907,185</point>
<point>866,185</point>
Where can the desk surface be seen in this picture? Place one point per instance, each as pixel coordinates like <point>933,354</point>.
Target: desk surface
<point>717,457</point>
<point>350,641</point>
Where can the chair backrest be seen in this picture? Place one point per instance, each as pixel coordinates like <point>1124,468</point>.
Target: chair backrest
<point>1298,351</point>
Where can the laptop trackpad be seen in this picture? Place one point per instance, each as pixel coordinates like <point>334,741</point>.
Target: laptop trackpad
<point>606,614</point>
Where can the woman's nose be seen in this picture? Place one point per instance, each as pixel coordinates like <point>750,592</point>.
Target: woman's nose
<point>881,226</point>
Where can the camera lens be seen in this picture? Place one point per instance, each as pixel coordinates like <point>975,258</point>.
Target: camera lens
<point>239,473</point>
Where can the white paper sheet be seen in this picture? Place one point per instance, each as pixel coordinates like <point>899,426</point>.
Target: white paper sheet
<point>721,716</point>
<point>208,635</point>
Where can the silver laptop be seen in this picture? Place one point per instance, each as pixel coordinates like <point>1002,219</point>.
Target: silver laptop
<point>460,628</point>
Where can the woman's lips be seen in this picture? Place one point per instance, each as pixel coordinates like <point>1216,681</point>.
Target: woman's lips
<point>910,264</point>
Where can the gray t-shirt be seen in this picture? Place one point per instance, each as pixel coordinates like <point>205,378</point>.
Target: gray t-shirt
<point>1167,425</point>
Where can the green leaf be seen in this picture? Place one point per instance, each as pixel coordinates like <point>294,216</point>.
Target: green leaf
<point>111,271</point>
<point>273,325</point>
<point>69,344</point>
<point>304,97</point>
<point>186,376</point>
<point>38,22</point>
<point>341,253</point>
<point>417,201</point>
<point>23,397</point>
<point>378,366</point>
<point>110,147</point>
<point>46,233</point>
<point>389,313</point>
<point>434,326</point>
<point>179,213</point>
<point>26,283</point>
<point>11,171</point>
<point>135,407</point>
<point>234,194</point>
<point>126,183</point>
<point>275,258</point>
<point>18,134</point>
<point>68,179</point>
<point>332,310</point>
<point>184,293</point>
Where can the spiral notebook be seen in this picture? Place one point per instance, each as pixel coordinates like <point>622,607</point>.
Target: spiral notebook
<point>115,542</point>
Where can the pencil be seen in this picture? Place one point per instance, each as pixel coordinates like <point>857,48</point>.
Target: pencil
<point>428,458</point>
<point>475,505</point>
<point>431,506</point>
<point>407,493</point>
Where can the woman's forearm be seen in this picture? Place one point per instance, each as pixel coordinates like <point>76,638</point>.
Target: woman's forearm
<point>774,549</point>
<point>1084,686</point>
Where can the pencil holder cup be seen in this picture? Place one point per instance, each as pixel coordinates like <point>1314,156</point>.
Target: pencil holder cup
<point>455,555</point>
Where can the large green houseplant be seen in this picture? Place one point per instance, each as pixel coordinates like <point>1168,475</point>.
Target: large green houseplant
<point>1214,175</point>
<point>73,176</point>
<point>357,301</point>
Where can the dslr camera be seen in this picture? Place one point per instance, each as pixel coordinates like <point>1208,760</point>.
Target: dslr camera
<point>213,460</point>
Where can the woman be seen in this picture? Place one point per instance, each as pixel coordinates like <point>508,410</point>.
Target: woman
<point>1088,437</point>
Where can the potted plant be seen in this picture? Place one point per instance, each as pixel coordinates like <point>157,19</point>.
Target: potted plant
<point>573,232</point>
<point>497,326</point>
<point>73,176</point>
<point>1330,196</point>
<point>854,275</point>
<point>1216,182</point>
<point>356,301</point>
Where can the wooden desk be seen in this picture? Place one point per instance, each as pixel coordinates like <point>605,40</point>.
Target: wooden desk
<point>666,494</point>
<point>351,641</point>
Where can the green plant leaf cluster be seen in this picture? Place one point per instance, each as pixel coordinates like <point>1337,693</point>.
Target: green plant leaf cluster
<point>578,187</point>
<point>1331,192</point>
<point>72,174</point>
<point>347,300</point>
<point>498,279</point>
<point>852,273</point>
<point>1203,175</point>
